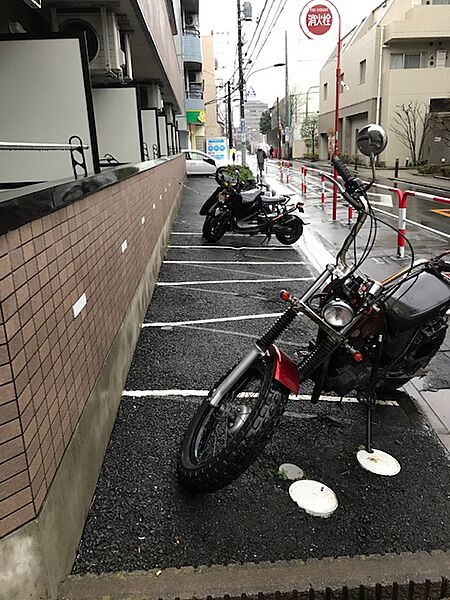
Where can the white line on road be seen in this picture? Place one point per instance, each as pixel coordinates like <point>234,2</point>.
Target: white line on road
<point>203,393</point>
<point>205,247</point>
<point>221,281</point>
<point>233,262</point>
<point>220,320</point>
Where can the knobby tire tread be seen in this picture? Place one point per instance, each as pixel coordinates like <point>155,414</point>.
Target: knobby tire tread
<point>236,458</point>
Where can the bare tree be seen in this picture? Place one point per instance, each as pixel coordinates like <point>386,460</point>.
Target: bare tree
<point>411,124</point>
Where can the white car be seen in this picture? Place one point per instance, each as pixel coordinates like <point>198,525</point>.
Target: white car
<point>200,163</point>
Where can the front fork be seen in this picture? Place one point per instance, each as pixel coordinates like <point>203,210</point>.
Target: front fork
<point>283,371</point>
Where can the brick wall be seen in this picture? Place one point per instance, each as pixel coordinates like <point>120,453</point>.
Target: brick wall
<point>50,358</point>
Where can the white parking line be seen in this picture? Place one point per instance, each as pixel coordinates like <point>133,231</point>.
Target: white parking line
<point>205,247</point>
<point>203,393</point>
<point>221,281</point>
<point>232,262</point>
<point>220,320</point>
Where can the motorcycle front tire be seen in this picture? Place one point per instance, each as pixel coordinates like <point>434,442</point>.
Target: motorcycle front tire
<point>296,230</point>
<point>218,471</point>
<point>214,227</point>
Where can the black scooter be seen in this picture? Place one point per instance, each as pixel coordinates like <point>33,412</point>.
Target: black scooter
<point>250,212</point>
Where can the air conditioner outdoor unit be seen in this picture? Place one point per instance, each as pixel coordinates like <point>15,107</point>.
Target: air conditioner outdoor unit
<point>189,19</point>
<point>106,58</point>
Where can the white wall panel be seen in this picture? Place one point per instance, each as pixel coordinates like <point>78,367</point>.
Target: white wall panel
<point>42,99</point>
<point>116,117</point>
<point>150,131</point>
<point>162,125</point>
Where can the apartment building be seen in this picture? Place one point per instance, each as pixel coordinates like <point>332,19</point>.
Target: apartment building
<point>213,128</point>
<point>253,112</point>
<point>90,97</point>
<point>192,131</point>
<point>400,53</point>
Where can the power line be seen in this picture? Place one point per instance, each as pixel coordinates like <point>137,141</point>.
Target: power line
<point>250,57</point>
<point>270,30</point>
<point>257,26</point>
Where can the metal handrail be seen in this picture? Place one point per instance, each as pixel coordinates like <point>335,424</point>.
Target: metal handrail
<point>76,150</point>
<point>40,147</point>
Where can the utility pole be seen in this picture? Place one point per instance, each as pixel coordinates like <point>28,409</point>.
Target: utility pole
<point>278,128</point>
<point>241,84</point>
<point>230,117</point>
<point>286,95</point>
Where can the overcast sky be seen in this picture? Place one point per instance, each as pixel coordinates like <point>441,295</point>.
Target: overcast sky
<point>305,56</point>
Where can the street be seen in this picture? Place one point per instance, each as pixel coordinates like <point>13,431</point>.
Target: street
<point>424,211</point>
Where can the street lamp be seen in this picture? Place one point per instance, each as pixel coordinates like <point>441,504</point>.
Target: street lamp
<point>243,132</point>
<point>313,87</point>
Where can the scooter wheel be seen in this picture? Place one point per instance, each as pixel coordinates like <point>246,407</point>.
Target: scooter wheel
<point>214,227</point>
<point>295,226</point>
<point>222,442</point>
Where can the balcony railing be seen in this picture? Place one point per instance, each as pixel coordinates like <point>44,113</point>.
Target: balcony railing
<point>191,31</point>
<point>194,94</point>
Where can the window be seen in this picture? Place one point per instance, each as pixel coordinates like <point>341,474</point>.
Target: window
<point>406,61</point>
<point>362,71</point>
<point>342,86</point>
<point>325,91</point>
<point>412,61</point>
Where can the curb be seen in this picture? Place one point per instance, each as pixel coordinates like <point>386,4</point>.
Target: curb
<point>392,576</point>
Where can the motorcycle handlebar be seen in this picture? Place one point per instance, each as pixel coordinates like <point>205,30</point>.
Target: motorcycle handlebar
<point>342,169</point>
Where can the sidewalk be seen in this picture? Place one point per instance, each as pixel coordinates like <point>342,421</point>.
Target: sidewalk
<point>431,392</point>
<point>210,304</point>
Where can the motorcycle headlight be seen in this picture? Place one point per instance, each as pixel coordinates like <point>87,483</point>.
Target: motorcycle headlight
<point>338,313</point>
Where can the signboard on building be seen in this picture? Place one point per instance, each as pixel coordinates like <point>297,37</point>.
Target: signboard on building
<point>217,148</point>
<point>198,117</point>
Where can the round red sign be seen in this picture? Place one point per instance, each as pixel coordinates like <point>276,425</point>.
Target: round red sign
<point>319,19</point>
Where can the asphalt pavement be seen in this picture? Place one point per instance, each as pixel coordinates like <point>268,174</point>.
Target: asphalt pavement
<point>211,302</point>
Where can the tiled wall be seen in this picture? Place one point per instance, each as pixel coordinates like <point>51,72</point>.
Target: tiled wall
<point>50,357</point>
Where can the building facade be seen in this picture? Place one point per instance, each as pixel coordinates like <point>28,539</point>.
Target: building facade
<point>192,124</point>
<point>213,128</point>
<point>83,229</point>
<point>253,112</point>
<point>399,54</point>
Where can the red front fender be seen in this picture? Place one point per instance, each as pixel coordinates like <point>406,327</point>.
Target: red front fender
<point>284,369</point>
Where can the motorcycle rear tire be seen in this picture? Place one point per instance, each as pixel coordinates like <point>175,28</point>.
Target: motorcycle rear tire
<point>214,227</point>
<point>297,231</point>
<point>218,471</point>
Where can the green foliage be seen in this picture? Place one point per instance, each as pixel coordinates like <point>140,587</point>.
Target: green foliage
<point>443,171</point>
<point>310,156</point>
<point>265,122</point>
<point>310,132</point>
<point>283,474</point>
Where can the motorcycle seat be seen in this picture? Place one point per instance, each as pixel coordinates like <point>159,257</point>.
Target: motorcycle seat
<point>416,302</point>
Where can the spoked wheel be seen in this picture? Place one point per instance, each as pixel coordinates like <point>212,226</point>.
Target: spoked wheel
<point>222,442</point>
<point>294,231</point>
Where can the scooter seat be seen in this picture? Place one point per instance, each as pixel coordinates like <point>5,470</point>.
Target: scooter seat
<point>274,199</point>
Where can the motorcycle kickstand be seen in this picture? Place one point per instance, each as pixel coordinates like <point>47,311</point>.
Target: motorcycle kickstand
<point>369,409</point>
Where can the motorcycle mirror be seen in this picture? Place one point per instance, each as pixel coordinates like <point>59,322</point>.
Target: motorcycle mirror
<point>371,140</point>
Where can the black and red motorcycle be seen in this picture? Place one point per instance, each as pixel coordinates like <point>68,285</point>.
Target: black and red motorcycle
<point>243,207</point>
<point>372,338</point>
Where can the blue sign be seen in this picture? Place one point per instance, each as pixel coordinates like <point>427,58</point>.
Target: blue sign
<point>217,148</point>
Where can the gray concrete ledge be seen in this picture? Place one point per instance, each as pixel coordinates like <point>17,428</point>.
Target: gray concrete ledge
<point>408,575</point>
<point>36,558</point>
